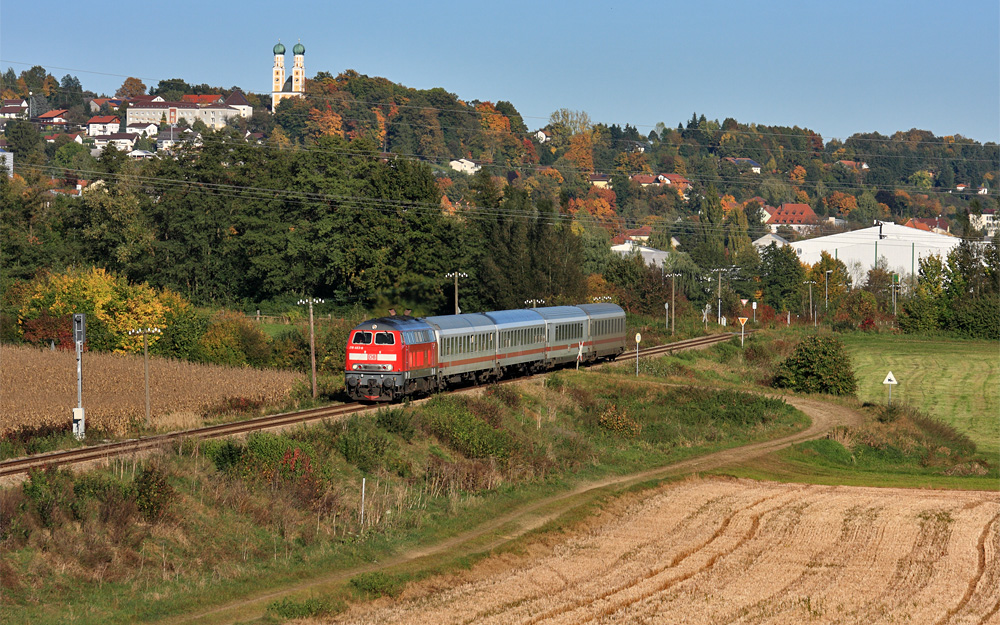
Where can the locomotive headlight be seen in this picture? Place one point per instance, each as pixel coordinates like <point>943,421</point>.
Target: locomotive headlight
<point>355,367</point>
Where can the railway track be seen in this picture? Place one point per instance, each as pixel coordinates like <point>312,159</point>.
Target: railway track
<point>106,451</point>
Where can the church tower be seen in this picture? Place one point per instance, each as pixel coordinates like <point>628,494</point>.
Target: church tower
<point>299,69</point>
<point>293,87</point>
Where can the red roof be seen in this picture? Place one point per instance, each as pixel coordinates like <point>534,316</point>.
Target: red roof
<point>676,179</point>
<point>799,214</point>
<point>644,231</point>
<point>53,114</point>
<point>103,119</point>
<point>202,99</point>
<point>644,178</point>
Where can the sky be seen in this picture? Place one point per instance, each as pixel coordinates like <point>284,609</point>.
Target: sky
<point>836,68</point>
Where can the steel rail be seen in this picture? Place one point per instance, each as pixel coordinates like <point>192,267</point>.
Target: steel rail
<point>107,451</point>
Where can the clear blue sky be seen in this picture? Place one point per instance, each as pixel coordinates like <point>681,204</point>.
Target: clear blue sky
<point>834,67</point>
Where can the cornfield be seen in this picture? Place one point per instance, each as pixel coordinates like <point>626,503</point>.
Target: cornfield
<point>38,388</point>
<point>737,551</point>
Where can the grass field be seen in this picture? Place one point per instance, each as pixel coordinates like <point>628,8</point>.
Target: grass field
<point>955,381</point>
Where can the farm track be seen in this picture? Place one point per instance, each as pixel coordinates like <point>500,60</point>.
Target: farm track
<point>107,451</point>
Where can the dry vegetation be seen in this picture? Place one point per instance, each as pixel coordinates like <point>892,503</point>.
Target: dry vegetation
<point>38,389</point>
<point>736,551</point>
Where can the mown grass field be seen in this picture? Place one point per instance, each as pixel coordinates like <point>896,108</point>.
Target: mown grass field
<point>955,381</point>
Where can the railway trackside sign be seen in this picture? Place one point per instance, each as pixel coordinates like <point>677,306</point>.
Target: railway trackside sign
<point>743,320</point>
<point>889,379</point>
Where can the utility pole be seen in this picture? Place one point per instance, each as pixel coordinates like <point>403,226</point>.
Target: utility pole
<point>79,338</point>
<point>145,332</point>
<point>811,283</point>
<point>673,305</point>
<point>826,288</point>
<point>312,338</point>
<point>456,275</point>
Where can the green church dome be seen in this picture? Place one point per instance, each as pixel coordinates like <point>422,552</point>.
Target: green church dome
<point>279,49</point>
<point>299,49</point>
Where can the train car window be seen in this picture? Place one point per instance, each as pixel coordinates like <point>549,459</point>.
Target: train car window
<point>384,338</point>
<point>362,338</point>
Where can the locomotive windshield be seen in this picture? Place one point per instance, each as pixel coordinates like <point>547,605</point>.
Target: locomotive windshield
<point>384,338</point>
<point>362,338</point>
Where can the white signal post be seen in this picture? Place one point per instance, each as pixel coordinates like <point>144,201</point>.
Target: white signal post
<point>79,338</point>
<point>755,312</point>
<point>638,339</point>
<point>673,290</point>
<point>666,313</point>
<point>890,381</point>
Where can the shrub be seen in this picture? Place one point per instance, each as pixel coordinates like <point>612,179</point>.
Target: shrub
<point>397,421</point>
<point>818,365</point>
<point>48,493</point>
<point>152,492</point>
<point>312,607</point>
<point>506,393</point>
<point>362,444</point>
<point>223,453</point>
<point>617,421</point>
<point>377,584</point>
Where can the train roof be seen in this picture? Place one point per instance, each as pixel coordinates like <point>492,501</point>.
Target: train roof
<point>601,310</point>
<point>520,316</point>
<point>400,323</point>
<point>555,313</point>
<point>460,322</point>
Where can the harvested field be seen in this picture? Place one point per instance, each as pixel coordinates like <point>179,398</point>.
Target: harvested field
<point>738,551</point>
<point>39,389</point>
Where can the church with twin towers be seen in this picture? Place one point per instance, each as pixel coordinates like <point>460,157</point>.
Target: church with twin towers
<point>293,86</point>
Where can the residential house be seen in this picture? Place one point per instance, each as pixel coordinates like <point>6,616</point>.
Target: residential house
<point>103,125</point>
<point>639,235</point>
<point>930,224</point>
<point>745,164</point>
<point>74,137</point>
<point>145,129</point>
<point>174,137</point>
<point>96,104</point>
<point>601,181</point>
<point>543,135</point>
<point>770,238</point>
<point>678,181</point>
<point>961,187</point>
<point>138,154</point>
<point>16,108</point>
<point>122,141</point>
<point>986,221</point>
<point>798,217</point>
<point>644,180</point>
<point>55,118</point>
<point>853,165</point>
<point>465,166</point>
<point>650,256</point>
<point>983,190</point>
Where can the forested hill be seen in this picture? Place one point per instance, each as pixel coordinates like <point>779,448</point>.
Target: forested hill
<point>348,194</point>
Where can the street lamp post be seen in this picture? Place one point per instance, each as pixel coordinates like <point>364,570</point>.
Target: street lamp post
<point>673,306</point>
<point>534,302</point>
<point>456,275</point>
<point>145,332</point>
<point>811,313</point>
<point>312,338</point>
<point>719,271</point>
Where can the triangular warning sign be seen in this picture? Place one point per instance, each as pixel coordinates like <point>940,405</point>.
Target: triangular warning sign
<point>743,320</point>
<point>889,379</point>
<point>744,302</point>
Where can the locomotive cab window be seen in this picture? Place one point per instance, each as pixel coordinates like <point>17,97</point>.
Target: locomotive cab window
<point>362,338</point>
<point>384,338</point>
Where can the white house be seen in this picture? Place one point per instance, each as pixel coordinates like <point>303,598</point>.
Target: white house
<point>143,129</point>
<point>102,125</point>
<point>542,136</point>
<point>464,165</point>
<point>123,141</point>
<point>650,256</point>
<point>987,221</point>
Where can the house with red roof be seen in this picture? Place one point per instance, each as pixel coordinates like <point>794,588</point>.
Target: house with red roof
<point>16,108</point>
<point>601,181</point>
<point>798,217</point>
<point>677,181</point>
<point>853,165</point>
<point>745,164</point>
<point>644,180</point>
<point>53,118</point>
<point>74,137</point>
<point>102,125</point>
<point>930,224</point>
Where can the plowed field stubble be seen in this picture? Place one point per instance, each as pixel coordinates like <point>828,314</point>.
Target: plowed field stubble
<point>738,551</point>
<point>39,389</point>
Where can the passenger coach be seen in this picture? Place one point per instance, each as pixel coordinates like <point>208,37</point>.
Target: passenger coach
<point>392,357</point>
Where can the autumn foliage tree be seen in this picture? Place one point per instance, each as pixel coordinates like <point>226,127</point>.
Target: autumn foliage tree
<point>131,88</point>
